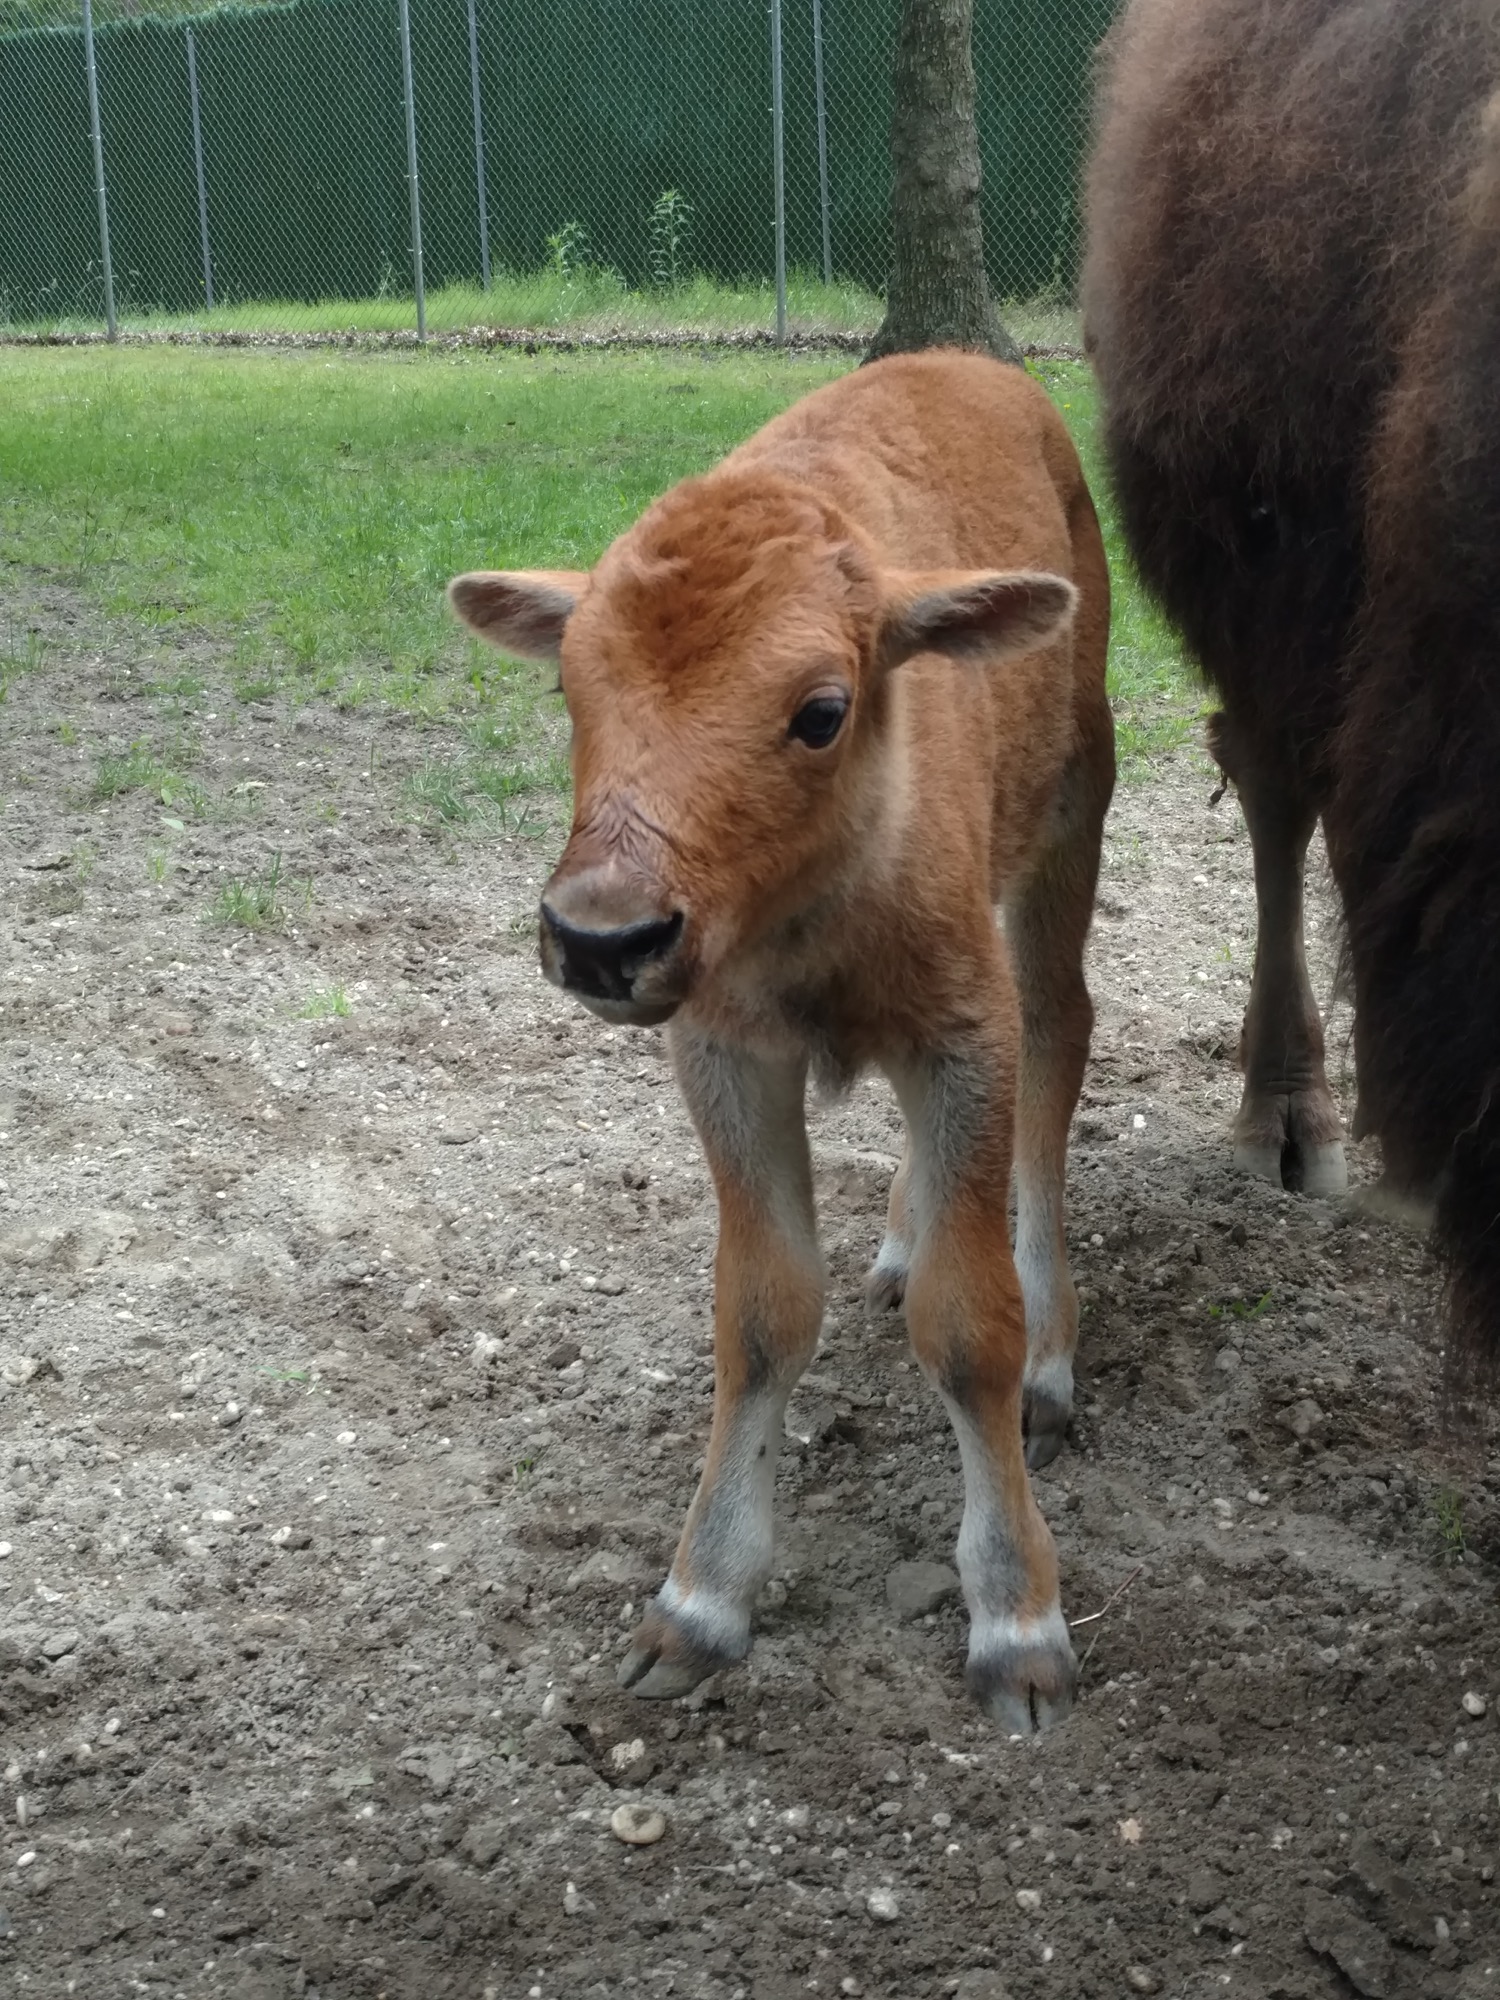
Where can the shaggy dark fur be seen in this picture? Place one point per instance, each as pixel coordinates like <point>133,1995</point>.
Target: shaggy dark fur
<point>1293,301</point>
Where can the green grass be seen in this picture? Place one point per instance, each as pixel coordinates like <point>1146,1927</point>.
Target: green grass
<point>302,512</point>
<point>331,1004</point>
<point>258,903</point>
<point>590,300</point>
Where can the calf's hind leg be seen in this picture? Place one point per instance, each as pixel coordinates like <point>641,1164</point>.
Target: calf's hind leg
<point>1288,1129</point>
<point>1046,926</point>
<point>967,1322</point>
<point>768,1306</point>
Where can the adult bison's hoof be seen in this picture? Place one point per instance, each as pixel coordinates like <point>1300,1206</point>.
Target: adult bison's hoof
<point>672,1649</point>
<point>1294,1140</point>
<point>1022,1672</point>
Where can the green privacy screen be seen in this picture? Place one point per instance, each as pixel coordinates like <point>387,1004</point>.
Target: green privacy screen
<point>591,111</point>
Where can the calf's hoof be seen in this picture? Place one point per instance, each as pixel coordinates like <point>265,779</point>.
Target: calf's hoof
<point>1046,1412</point>
<point>885,1285</point>
<point>1022,1672</point>
<point>1294,1140</point>
<point>676,1646</point>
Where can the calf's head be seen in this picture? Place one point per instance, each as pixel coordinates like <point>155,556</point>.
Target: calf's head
<point>727,671</point>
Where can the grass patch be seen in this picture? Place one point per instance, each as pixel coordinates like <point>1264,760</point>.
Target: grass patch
<point>22,651</point>
<point>259,903</point>
<point>331,1004</point>
<point>462,793</point>
<point>310,507</point>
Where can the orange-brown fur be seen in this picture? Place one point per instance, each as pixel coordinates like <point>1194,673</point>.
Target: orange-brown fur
<point>895,540</point>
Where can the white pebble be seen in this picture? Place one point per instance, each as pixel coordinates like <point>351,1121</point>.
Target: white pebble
<point>1029,1899</point>
<point>637,1826</point>
<point>882,1905</point>
<point>25,1860</point>
<point>5,1549</point>
<point>1474,1704</point>
<point>346,1437</point>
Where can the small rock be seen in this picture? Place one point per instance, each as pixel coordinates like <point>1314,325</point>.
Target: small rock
<point>176,1024</point>
<point>810,1423</point>
<point>1029,1900</point>
<point>57,1645</point>
<point>1358,1950</point>
<point>484,1841</point>
<point>1305,1420</point>
<point>980,1983</point>
<point>912,1589</point>
<point>575,1905</point>
<point>229,1416</point>
<point>632,1763</point>
<point>1141,1979</point>
<point>612,1287</point>
<point>882,1905</point>
<point>458,1135</point>
<point>6,1549</point>
<point>637,1826</point>
<point>1475,1704</point>
<point>486,1350</point>
<point>1203,1890</point>
<point>564,1354</point>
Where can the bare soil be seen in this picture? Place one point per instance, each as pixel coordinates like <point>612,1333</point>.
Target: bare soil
<point>355,1371</point>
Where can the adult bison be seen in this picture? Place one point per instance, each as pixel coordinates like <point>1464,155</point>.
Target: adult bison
<point>1292,297</point>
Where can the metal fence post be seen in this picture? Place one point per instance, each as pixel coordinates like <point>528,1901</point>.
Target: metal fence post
<point>411,168</point>
<point>208,262</point>
<point>823,203</point>
<point>109,270</point>
<point>484,213</point>
<point>778,147</point>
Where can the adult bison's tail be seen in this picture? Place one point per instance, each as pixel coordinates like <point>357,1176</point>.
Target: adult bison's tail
<point>1414,828</point>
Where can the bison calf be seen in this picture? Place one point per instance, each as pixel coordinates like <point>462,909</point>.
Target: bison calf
<point>831,703</point>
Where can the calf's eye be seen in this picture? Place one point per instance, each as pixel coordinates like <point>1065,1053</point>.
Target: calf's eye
<point>818,721</point>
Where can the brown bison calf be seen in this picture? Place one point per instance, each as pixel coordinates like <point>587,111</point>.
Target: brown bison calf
<point>1292,297</point>
<point>831,703</point>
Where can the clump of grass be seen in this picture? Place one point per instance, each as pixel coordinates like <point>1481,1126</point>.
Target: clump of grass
<point>22,651</point>
<point>129,771</point>
<point>330,1004</point>
<point>460,794</point>
<point>142,768</point>
<point>258,904</point>
<point>1241,1308</point>
<point>1448,1509</point>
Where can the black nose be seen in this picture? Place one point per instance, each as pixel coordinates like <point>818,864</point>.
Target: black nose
<point>606,964</point>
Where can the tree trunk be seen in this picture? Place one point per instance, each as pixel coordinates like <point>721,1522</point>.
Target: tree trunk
<point>938,294</point>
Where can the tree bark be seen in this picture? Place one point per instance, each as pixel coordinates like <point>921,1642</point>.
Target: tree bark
<point>938,294</point>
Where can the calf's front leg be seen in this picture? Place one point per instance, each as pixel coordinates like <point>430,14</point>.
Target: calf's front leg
<point>768,1306</point>
<point>967,1321</point>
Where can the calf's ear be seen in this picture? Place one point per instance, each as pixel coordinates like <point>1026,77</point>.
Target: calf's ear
<point>523,611</point>
<point>984,615</point>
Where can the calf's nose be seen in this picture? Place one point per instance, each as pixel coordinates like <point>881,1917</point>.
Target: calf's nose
<point>605,964</point>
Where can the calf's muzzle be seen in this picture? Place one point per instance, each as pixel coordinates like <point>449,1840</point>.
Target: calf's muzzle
<point>623,968</point>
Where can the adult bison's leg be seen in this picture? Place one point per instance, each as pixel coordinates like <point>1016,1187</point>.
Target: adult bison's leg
<point>1046,926</point>
<point>968,1327</point>
<point>768,1305</point>
<point>1288,1129</point>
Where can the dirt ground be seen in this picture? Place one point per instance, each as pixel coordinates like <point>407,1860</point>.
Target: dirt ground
<point>355,1371</point>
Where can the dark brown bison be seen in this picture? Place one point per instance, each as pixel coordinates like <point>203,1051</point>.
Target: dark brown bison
<point>1292,298</point>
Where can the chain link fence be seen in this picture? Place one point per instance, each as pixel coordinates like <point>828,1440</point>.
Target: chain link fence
<point>425,166</point>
